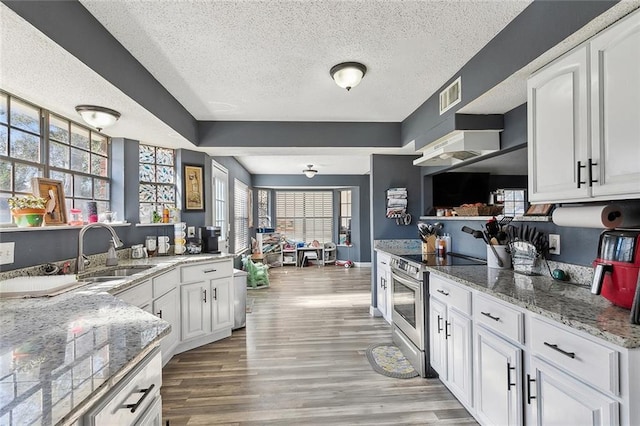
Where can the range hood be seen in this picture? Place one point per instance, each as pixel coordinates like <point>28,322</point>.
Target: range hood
<point>458,146</point>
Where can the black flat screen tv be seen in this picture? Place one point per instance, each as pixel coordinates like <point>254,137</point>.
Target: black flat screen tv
<point>455,189</point>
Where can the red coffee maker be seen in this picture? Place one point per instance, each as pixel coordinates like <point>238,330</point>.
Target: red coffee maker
<point>617,266</point>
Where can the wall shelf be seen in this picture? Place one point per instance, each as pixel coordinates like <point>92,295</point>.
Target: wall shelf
<point>485,218</point>
<point>53,227</point>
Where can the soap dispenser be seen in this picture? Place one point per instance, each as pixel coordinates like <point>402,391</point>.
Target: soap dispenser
<point>112,257</point>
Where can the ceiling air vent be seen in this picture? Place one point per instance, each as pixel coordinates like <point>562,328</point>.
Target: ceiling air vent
<point>451,95</point>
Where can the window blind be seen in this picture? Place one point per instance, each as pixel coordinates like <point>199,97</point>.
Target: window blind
<point>241,215</point>
<point>305,215</point>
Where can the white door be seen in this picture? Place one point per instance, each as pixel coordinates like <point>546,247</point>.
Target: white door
<point>221,204</point>
<point>497,380</point>
<point>167,307</point>
<point>437,340</point>
<point>558,129</point>
<point>562,400</point>
<point>459,361</point>
<point>615,109</point>
<point>196,309</point>
<point>222,303</point>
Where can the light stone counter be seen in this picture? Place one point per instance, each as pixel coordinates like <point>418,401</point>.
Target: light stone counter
<point>59,355</point>
<point>568,304</point>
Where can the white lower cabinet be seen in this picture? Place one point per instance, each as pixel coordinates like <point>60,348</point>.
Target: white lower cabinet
<point>450,338</point>
<point>383,286</point>
<point>555,398</point>
<point>222,303</point>
<point>167,307</point>
<point>498,380</point>
<point>195,310</point>
<point>134,400</point>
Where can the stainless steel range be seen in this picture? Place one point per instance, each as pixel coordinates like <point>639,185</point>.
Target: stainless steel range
<point>410,315</point>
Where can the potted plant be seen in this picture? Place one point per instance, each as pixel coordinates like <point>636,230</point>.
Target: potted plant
<point>28,210</point>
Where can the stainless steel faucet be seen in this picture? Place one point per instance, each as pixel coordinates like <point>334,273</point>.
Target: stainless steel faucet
<point>116,242</point>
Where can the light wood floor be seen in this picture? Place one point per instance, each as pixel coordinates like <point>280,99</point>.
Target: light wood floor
<point>301,361</point>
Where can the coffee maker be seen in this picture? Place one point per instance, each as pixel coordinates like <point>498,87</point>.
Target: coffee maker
<point>617,266</point>
<point>209,236</point>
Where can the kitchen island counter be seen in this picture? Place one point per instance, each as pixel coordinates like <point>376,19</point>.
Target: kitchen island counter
<point>59,355</point>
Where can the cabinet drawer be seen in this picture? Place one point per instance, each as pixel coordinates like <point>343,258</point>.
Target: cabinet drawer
<point>209,270</point>
<point>165,282</point>
<point>498,317</point>
<point>138,295</point>
<point>140,386</point>
<point>586,360</point>
<point>450,293</point>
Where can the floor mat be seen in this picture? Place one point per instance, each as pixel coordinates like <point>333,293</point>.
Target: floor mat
<point>387,359</point>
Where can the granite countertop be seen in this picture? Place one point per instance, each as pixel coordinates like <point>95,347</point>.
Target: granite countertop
<point>59,354</point>
<point>568,304</point>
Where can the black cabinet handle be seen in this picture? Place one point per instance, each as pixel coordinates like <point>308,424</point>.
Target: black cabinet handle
<point>145,392</point>
<point>215,293</point>
<point>529,396</point>
<point>555,347</point>
<point>590,171</point>
<point>580,167</point>
<point>160,313</point>
<point>205,295</point>
<point>439,324</point>
<point>447,324</point>
<point>446,293</point>
<point>488,314</point>
<point>208,271</point>
<point>509,384</point>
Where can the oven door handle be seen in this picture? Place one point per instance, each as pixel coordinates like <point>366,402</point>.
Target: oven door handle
<point>411,284</point>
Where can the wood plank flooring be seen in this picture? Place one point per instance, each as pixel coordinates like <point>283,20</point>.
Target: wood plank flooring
<point>301,361</point>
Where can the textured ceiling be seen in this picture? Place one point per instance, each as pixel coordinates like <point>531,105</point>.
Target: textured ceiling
<point>270,60</point>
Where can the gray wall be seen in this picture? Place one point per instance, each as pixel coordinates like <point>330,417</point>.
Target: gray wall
<point>542,25</point>
<point>393,171</point>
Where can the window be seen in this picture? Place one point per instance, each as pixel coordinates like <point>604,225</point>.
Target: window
<point>157,187</point>
<point>220,185</point>
<point>241,215</point>
<point>264,205</point>
<point>344,236</point>
<point>37,143</point>
<point>305,216</point>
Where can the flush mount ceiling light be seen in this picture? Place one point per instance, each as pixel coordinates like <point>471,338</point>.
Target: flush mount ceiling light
<point>309,171</point>
<point>348,74</point>
<point>97,116</point>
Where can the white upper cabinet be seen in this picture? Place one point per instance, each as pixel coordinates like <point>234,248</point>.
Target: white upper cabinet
<point>584,120</point>
<point>615,109</point>
<point>558,129</point>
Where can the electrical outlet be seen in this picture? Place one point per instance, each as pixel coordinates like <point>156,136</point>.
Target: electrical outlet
<point>191,231</point>
<point>554,244</point>
<point>7,253</point>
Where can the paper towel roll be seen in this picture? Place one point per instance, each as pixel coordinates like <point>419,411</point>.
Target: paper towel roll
<point>607,216</point>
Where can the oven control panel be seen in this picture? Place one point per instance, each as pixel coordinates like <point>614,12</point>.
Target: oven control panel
<point>409,268</point>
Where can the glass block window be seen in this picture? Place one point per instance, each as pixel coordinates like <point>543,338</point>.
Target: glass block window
<point>344,236</point>
<point>157,187</point>
<point>35,142</point>
<point>264,206</point>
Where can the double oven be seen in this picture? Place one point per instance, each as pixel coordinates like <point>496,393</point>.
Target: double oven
<point>410,315</point>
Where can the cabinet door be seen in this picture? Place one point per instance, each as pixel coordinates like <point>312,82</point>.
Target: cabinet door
<point>497,379</point>
<point>560,399</point>
<point>459,360</point>
<point>195,309</point>
<point>437,339</point>
<point>221,303</point>
<point>558,129</point>
<point>381,289</point>
<point>389,296</point>
<point>615,109</point>
<point>153,416</point>
<point>167,307</point>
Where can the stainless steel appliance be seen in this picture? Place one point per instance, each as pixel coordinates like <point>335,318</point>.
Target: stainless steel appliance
<point>410,315</point>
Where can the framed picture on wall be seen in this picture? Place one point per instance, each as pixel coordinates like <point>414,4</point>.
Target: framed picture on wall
<point>193,190</point>
<point>52,191</point>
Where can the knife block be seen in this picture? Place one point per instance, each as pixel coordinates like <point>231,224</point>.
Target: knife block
<point>429,247</point>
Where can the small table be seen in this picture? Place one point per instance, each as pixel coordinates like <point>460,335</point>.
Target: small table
<point>300,254</point>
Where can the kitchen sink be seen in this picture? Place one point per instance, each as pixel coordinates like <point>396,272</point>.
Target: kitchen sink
<point>123,271</point>
<point>100,279</point>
